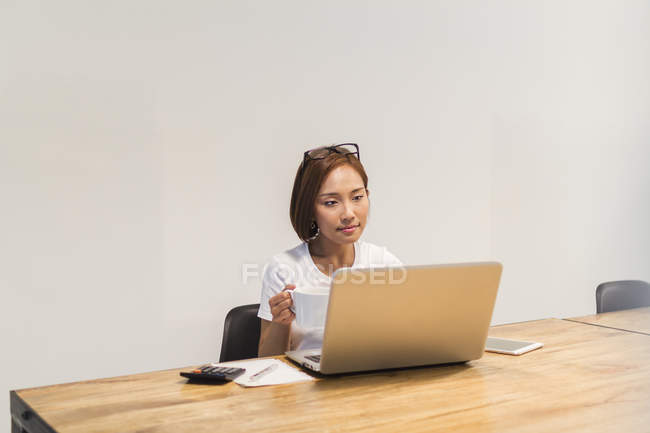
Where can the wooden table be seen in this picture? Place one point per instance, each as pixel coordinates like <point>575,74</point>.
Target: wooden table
<point>635,320</point>
<point>585,378</point>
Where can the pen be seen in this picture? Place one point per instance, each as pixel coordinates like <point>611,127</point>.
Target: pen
<point>263,372</point>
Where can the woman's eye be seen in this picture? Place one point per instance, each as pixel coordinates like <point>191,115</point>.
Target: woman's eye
<point>330,203</point>
<point>359,197</point>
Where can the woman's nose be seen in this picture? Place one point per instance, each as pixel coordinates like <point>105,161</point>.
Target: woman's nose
<point>346,212</point>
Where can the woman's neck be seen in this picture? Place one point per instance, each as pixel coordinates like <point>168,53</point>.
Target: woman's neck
<point>338,255</point>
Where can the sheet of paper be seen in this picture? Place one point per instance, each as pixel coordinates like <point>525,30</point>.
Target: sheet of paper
<point>280,372</point>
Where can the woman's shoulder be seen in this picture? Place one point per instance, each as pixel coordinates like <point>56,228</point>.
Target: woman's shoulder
<point>293,257</point>
<point>285,266</point>
<point>376,255</point>
<point>368,246</point>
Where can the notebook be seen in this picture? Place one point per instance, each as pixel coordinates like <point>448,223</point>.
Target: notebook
<point>404,317</point>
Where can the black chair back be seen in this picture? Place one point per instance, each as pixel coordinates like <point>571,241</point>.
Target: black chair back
<point>622,295</point>
<point>241,333</point>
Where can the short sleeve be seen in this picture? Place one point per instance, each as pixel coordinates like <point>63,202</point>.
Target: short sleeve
<point>275,278</point>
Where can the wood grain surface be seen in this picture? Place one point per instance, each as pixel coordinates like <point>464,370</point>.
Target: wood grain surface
<point>636,320</point>
<point>585,378</point>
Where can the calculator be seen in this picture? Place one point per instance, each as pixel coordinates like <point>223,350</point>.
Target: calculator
<point>212,373</point>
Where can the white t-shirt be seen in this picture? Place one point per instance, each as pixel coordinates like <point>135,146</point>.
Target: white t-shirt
<point>295,266</point>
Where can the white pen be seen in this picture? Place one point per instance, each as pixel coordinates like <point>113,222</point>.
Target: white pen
<point>263,372</point>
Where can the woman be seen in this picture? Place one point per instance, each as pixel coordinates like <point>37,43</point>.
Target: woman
<point>329,210</point>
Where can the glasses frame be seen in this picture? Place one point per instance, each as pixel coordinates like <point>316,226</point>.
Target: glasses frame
<point>331,149</point>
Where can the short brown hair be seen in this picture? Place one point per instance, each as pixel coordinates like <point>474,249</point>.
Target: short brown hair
<point>307,184</point>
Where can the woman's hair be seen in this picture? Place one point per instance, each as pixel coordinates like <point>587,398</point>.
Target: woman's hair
<point>307,184</point>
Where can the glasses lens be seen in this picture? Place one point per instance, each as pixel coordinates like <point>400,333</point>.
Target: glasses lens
<point>319,152</point>
<point>347,148</point>
<point>322,152</point>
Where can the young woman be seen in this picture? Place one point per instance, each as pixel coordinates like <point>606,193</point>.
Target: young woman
<point>329,211</point>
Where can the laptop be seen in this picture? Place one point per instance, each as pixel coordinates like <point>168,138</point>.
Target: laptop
<point>408,316</point>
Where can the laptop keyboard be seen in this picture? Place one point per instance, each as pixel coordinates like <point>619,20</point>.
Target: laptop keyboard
<point>315,358</point>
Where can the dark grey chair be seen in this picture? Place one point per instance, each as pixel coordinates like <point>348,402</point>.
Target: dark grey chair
<point>241,333</point>
<point>622,295</point>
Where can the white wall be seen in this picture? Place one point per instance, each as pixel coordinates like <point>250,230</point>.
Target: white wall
<point>571,155</point>
<point>147,152</point>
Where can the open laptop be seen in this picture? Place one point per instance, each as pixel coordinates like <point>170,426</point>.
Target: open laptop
<point>404,317</point>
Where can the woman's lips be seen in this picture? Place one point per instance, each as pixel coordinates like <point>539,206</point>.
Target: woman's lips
<point>349,229</point>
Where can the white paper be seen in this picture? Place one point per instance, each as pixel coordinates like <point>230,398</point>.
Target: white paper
<point>283,373</point>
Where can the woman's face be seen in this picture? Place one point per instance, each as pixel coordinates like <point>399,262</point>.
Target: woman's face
<point>341,203</point>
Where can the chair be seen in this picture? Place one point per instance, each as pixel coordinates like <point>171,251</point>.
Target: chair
<point>241,333</point>
<point>622,295</point>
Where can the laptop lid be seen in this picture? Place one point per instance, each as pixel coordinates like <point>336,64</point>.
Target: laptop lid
<point>402,317</point>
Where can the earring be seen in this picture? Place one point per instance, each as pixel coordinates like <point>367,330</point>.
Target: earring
<point>314,226</point>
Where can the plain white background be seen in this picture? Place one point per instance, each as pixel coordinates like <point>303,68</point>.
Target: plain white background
<point>148,149</point>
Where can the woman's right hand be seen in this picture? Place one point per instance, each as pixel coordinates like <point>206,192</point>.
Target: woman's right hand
<point>280,306</point>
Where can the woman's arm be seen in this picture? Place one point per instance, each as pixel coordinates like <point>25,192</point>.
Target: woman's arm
<point>274,338</point>
<point>274,334</point>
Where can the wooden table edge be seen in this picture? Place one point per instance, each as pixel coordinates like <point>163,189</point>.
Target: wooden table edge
<point>582,322</point>
<point>24,418</point>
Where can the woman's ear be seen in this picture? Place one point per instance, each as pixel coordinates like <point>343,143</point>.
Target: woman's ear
<point>367,192</point>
